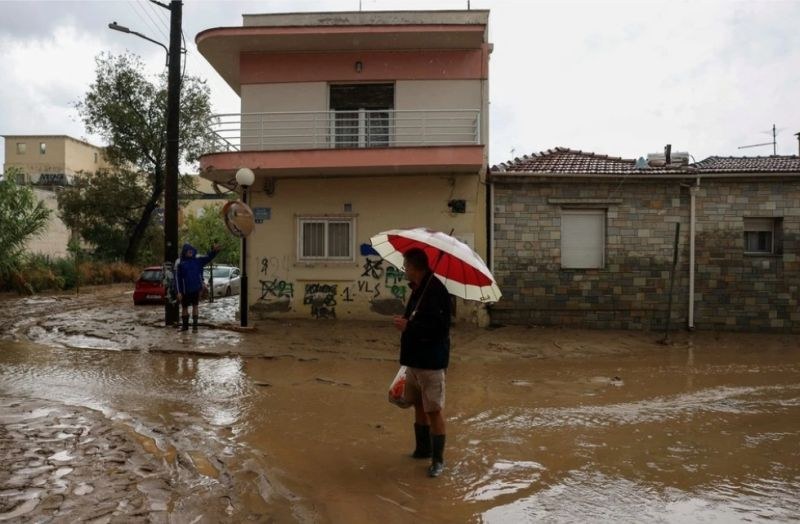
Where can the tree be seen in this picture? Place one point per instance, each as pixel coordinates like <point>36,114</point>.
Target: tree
<point>208,229</point>
<point>129,111</point>
<point>22,217</point>
<point>106,208</point>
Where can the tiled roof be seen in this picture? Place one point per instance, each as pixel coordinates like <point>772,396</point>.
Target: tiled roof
<point>752,164</point>
<point>563,160</point>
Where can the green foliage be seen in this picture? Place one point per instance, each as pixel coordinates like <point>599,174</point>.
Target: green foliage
<point>105,208</point>
<point>22,216</point>
<point>129,111</point>
<point>209,228</point>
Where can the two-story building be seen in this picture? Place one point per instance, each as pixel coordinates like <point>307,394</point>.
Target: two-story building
<point>47,163</point>
<point>353,123</point>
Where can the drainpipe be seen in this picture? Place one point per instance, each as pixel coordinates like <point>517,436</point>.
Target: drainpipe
<point>490,221</point>
<point>692,228</point>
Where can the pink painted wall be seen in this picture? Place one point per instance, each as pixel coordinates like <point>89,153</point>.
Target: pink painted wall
<point>265,68</point>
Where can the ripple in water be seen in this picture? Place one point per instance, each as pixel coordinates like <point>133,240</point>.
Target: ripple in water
<point>589,497</point>
<point>733,400</point>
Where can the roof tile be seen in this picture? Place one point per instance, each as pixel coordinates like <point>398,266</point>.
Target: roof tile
<point>563,160</point>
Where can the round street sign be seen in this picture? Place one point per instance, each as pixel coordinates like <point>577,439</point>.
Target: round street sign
<point>238,218</point>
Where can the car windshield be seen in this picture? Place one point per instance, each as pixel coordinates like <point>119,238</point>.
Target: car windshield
<point>219,272</point>
<point>151,275</point>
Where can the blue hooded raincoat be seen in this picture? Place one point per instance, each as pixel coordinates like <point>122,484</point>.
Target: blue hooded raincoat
<point>189,276</point>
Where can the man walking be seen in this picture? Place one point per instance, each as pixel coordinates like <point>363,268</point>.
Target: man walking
<point>189,281</point>
<point>425,351</point>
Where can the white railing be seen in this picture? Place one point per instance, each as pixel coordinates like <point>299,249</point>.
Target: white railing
<point>344,129</point>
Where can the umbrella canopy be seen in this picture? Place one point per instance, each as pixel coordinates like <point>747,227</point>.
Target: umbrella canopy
<point>461,269</point>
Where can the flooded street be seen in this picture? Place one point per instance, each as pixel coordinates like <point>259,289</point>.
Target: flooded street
<point>104,416</point>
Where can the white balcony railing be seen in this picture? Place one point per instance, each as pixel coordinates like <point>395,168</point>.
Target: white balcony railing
<point>343,129</point>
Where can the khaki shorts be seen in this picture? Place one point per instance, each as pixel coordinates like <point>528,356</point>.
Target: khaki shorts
<point>426,385</point>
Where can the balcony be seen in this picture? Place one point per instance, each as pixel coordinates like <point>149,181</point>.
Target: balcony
<point>345,142</point>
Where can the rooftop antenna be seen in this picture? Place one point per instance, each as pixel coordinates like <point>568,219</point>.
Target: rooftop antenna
<point>774,142</point>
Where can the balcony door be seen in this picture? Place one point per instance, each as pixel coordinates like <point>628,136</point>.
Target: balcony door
<point>361,115</point>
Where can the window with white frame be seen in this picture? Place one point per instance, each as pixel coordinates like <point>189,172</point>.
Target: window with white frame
<point>325,238</point>
<point>762,236</point>
<point>22,148</point>
<point>42,148</point>
<point>583,238</point>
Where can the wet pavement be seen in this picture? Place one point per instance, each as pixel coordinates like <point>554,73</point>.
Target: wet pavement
<point>106,417</point>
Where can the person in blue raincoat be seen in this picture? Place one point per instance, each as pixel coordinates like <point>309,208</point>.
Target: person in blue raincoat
<point>189,281</point>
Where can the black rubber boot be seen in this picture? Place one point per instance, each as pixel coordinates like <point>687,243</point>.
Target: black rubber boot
<point>185,323</point>
<point>423,436</point>
<point>437,461</point>
<point>194,324</point>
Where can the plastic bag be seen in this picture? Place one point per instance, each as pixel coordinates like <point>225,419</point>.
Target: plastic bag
<point>397,390</point>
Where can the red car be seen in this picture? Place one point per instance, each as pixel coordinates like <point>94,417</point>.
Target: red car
<point>150,286</point>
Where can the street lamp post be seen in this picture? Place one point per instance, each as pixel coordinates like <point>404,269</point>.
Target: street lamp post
<point>245,178</point>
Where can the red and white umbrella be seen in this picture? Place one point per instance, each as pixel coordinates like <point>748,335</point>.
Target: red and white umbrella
<point>461,269</point>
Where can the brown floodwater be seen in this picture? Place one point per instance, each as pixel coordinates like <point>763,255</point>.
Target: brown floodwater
<point>291,422</point>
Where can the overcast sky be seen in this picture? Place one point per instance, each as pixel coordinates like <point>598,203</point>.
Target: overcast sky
<point>618,78</point>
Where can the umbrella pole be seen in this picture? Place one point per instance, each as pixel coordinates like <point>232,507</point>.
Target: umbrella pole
<point>428,283</point>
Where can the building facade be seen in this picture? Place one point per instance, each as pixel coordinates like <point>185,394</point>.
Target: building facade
<point>353,123</point>
<point>47,163</point>
<point>586,240</point>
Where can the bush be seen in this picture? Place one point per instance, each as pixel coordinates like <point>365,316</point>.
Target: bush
<point>122,272</point>
<point>39,273</point>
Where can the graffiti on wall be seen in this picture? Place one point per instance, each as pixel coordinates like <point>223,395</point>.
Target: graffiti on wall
<point>322,299</point>
<point>276,288</point>
<point>378,283</point>
<point>273,265</point>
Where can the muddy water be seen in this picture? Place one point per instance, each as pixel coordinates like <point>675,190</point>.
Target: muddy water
<point>290,423</point>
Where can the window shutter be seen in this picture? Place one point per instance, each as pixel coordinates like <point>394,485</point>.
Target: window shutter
<point>583,237</point>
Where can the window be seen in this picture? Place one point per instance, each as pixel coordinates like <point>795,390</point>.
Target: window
<point>42,148</point>
<point>762,236</point>
<point>52,179</point>
<point>151,275</point>
<point>95,158</point>
<point>22,148</point>
<point>362,114</point>
<point>326,239</point>
<point>583,238</point>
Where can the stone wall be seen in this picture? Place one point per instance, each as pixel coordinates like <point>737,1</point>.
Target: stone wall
<point>739,291</point>
<point>733,290</point>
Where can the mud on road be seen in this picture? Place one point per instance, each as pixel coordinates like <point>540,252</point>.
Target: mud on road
<point>105,416</point>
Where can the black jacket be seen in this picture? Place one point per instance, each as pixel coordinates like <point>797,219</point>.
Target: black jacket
<point>425,343</point>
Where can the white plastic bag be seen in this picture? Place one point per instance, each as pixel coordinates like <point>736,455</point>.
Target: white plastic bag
<point>397,390</point>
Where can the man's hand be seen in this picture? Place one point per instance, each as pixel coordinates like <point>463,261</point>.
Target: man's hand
<point>180,297</point>
<point>400,323</point>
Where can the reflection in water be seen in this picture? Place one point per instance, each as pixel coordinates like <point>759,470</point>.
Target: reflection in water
<point>222,382</point>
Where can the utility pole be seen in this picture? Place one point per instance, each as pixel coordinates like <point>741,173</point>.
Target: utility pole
<point>173,122</point>
<point>175,7</point>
